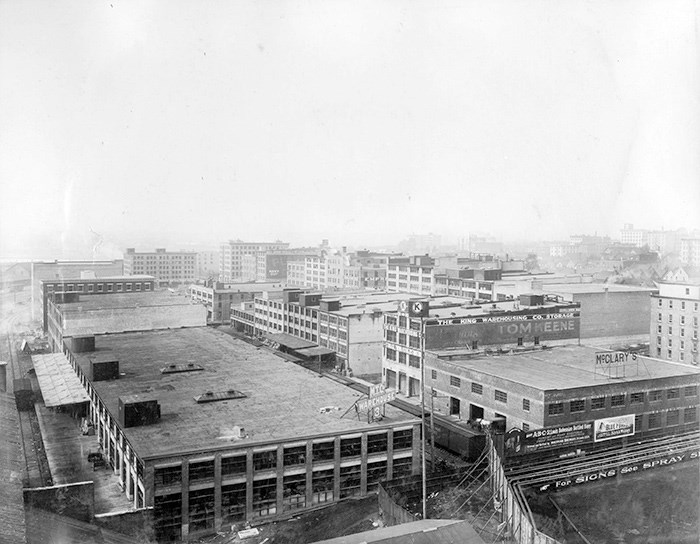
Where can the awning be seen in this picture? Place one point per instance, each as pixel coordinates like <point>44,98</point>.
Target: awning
<point>314,351</point>
<point>287,340</point>
<point>59,384</point>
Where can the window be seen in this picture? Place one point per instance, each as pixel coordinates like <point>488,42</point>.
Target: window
<point>597,403</point>
<point>658,329</point>
<point>672,417</point>
<point>500,396</point>
<point>414,361</point>
<point>202,470</point>
<point>690,414</point>
<point>670,331</point>
<point>654,421</point>
<point>520,341</point>
<point>660,316</point>
<point>638,422</point>
<point>683,303</point>
<point>233,465</point>
<point>555,409</point>
<point>265,497</point>
<point>670,304</point>
<point>391,354</point>
<point>526,427</point>
<point>264,460</point>
<point>390,335</point>
<point>690,391</point>
<point>164,477</point>
<point>167,515</point>
<point>294,456</point>
<point>577,405</point>
<point>660,302</point>
<point>637,398</point>
<point>414,341</point>
<point>294,492</point>
<point>402,339</point>
<point>433,374</point>
<point>350,481</point>
<point>403,439</point>
<point>655,395</point>
<point>402,357</point>
<point>477,388</point>
<point>350,447</point>
<point>377,443</point>
<point>233,502</point>
<point>617,400</point>
<point>324,451</point>
<point>322,486</point>
<point>673,393</point>
<point>201,509</point>
<point>526,405</point>
<point>376,472</point>
<point>402,467</point>
<point>537,340</point>
<point>455,381</point>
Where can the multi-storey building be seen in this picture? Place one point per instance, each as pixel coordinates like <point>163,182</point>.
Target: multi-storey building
<point>630,235</point>
<point>674,321</point>
<point>233,251</point>
<point>564,385</point>
<point>207,264</point>
<point>531,321</point>
<point>349,325</point>
<point>472,284</point>
<point>94,286</point>
<point>690,251</point>
<point>69,270</point>
<point>234,434</point>
<point>168,267</point>
<point>219,297</point>
<point>410,275</point>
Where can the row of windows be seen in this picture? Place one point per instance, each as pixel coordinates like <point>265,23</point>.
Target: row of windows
<point>599,403</point>
<point>100,287</point>
<point>478,389</point>
<point>292,456</point>
<point>682,319</point>
<point>683,302</point>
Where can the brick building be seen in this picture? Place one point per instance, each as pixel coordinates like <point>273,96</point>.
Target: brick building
<point>168,267</point>
<point>208,450</point>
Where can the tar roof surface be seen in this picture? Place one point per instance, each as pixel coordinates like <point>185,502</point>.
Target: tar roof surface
<point>578,288</point>
<point>486,309</point>
<point>124,300</point>
<point>566,367</point>
<point>283,400</point>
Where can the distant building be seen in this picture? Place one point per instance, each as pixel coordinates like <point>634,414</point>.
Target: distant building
<point>690,252</point>
<point>69,270</point>
<point>73,315</point>
<point>410,275</point>
<point>674,320</point>
<point>632,236</point>
<point>50,289</point>
<point>232,253</point>
<point>209,431</point>
<point>349,325</point>
<point>219,297</point>
<point>207,264</point>
<point>168,267</point>
<point>421,243</point>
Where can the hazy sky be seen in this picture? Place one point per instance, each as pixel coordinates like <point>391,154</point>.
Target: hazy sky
<point>358,121</point>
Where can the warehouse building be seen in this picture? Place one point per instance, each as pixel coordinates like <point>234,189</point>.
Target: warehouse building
<point>93,286</point>
<point>210,431</point>
<point>530,321</point>
<point>218,298</point>
<point>564,385</point>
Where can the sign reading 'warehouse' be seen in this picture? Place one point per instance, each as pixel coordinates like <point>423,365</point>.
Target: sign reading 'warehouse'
<point>502,329</point>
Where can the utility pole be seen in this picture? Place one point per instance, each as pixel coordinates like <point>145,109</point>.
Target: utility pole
<point>432,429</point>
<point>422,411</point>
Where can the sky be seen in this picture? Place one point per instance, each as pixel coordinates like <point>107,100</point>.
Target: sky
<point>173,123</point>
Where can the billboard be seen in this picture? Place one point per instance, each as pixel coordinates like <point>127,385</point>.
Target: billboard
<point>613,427</point>
<point>276,267</point>
<point>519,442</point>
<point>502,329</point>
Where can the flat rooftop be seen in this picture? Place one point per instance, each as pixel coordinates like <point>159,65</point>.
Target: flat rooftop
<point>283,401</point>
<point>87,302</point>
<point>584,288</point>
<point>562,367</point>
<point>102,279</point>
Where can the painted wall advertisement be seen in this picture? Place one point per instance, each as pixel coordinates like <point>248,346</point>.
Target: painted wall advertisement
<point>613,427</point>
<point>519,442</point>
<point>503,329</point>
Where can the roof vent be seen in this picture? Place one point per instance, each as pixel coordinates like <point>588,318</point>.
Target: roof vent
<point>211,396</point>
<point>189,367</point>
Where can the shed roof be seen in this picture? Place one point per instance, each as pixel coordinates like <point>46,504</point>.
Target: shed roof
<point>60,385</point>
